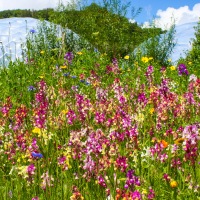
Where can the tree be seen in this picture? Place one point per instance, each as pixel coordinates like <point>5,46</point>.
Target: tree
<point>159,46</point>
<point>194,54</point>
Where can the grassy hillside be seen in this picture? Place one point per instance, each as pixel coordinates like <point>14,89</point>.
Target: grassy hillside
<point>109,33</point>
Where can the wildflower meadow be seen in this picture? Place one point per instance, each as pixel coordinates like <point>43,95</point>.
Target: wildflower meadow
<point>78,125</point>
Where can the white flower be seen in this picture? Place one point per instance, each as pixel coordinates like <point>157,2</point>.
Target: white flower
<point>192,78</point>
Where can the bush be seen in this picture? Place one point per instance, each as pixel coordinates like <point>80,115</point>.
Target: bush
<point>159,47</point>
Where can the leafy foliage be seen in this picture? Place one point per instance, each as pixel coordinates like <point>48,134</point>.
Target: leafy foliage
<point>110,33</point>
<point>159,47</point>
<point>39,14</point>
<point>194,54</point>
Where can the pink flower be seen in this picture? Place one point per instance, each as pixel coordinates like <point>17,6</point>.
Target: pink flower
<point>35,198</point>
<point>99,117</point>
<point>31,169</point>
<point>121,163</point>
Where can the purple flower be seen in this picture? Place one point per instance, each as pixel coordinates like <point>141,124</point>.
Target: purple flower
<point>131,180</point>
<point>87,83</point>
<point>66,74</point>
<point>32,31</point>
<point>69,57</point>
<point>31,88</point>
<point>130,173</point>
<point>182,70</point>
<point>36,155</point>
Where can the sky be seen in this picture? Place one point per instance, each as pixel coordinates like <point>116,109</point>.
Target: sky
<point>164,12</point>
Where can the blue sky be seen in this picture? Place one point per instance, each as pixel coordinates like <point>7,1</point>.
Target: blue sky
<point>165,11</point>
<point>183,11</point>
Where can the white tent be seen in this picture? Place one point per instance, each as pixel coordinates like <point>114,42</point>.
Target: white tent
<point>13,33</point>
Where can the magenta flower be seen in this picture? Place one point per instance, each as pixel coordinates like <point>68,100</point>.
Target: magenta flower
<point>190,133</point>
<point>61,160</point>
<point>121,163</point>
<point>142,98</point>
<point>149,71</point>
<point>166,177</point>
<point>31,169</point>
<point>99,117</point>
<point>35,198</point>
<point>101,181</point>
<point>41,105</point>
<point>71,116</point>
<point>136,195</point>
<point>151,194</point>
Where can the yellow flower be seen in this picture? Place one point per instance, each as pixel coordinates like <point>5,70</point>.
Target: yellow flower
<point>151,111</point>
<point>63,67</point>
<point>41,76</point>
<point>64,111</point>
<point>42,52</point>
<point>139,117</point>
<point>22,170</point>
<point>126,57</point>
<point>144,191</point>
<point>189,63</point>
<point>36,130</point>
<point>153,89</point>
<point>79,53</point>
<point>172,68</point>
<point>173,184</point>
<point>179,141</point>
<point>145,59</point>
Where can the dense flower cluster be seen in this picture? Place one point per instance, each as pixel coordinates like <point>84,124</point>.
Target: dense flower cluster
<point>104,131</point>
